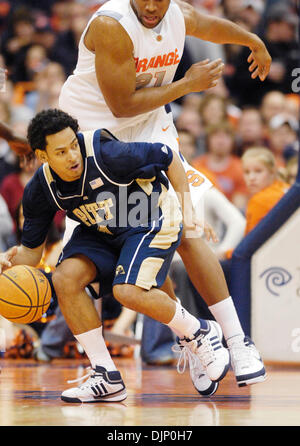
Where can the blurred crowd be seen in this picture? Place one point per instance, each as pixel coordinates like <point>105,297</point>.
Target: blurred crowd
<point>38,50</point>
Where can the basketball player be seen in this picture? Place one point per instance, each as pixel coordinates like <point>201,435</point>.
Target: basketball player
<point>125,246</point>
<point>128,55</point>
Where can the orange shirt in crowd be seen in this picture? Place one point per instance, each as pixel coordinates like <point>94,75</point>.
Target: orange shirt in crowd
<point>262,202</point>
<point>230,179</point>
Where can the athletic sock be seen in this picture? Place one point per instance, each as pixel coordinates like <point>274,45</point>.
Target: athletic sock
<point>225,314</point>
<point>183,323</point>
<point>95,348</point>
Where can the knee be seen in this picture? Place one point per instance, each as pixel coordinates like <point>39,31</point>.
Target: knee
<point>65,285</point>
<point>125,294</point>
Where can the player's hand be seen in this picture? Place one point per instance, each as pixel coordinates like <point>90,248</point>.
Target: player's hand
<point>259,60</point>
<point>6,258</point>
<point>194,227</point>
<point>209,233</point>
<point>204,75</point>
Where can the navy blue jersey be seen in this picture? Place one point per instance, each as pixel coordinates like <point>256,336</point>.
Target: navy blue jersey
<point>122,187</point>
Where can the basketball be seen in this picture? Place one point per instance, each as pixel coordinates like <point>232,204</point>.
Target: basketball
<point>25,294</point>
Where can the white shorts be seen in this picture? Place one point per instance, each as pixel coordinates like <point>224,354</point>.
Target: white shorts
<point>159,127</point>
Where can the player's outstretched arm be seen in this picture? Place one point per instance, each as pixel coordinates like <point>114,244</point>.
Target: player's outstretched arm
<point>177,177</point>
<point>20,255</point>
<point>218,30</point>
<point>16,142</point>
<point>116,72</point>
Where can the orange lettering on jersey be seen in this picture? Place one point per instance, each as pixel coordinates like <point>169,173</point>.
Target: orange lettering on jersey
<point>142,65</point>
<point>151,63</point>
<point>177,58</point>
<point>194,178</point>
<point>160,61</point>
<point>170,59</point>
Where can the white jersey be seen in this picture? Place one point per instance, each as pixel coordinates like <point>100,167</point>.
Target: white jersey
<point>157,53</point>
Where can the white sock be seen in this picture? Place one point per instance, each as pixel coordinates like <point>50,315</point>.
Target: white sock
<point>225,314</point>
<point>177,332</point>
<point>94,346</point>
<point>184,323</point>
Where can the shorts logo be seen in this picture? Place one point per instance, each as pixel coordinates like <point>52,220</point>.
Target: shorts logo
<point>119,270</point>
<point>164,149</point>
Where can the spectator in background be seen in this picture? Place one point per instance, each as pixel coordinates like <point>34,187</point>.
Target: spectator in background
<point>188,148</point>
<point>273,103</point>
<point>200,49</point>
<point>291,170</point>
<point>248,15</point>
<point>251,12</point>
<point>232,8</point>
<point>6,225</point>
<point>265,189</point>
<point>48,84</point>
<point>292,106</point>
<point>213,110</point>
<point>8,160</point>
<point>65,50</point>
<point>280,39</point>
<point>263,183</point>
<point>187,142</point>
<point>44,33</point>
<point>189,120</point>
<point>282,133</point>
<point>17,42</point>
<point>35,61</point>
<point>250,129</point>
<point>220,160</point>
<point>12,187</point>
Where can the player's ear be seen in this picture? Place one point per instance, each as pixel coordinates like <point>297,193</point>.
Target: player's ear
<point>41,155</point>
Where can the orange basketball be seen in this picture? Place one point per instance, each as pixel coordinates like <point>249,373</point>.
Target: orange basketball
<point>25,294</point>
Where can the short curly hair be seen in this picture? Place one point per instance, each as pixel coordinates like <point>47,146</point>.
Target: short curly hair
<point>48,122</point>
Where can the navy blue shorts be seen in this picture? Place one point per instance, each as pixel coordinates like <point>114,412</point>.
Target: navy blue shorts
<point>140,257</point>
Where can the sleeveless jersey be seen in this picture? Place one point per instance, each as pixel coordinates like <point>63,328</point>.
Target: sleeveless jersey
<point>157,53</point>
<point>104,201</point>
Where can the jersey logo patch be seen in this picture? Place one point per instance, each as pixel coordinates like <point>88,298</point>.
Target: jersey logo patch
<point>119,270</point>
<point>96,183</point>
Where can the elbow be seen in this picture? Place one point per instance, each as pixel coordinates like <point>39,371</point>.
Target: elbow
<point>121,112</point>
<point>123,109</point>
<point>117,113</point>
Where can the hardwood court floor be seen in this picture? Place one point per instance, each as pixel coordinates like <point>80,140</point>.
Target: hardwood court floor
<point>157,396</point>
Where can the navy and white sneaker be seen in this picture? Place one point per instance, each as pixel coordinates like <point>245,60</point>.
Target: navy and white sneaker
<point>207,345</point>
<point>246,362</point>
<point>101,386</point>
<point>202,383</point>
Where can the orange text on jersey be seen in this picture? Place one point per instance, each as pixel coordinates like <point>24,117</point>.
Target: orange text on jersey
<point>163,60</point>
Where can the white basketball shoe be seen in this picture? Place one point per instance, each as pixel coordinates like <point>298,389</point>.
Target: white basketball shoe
<point>246,362</point>
<point>212,357</point>
<point>101,386</point>
<point>202,383</point>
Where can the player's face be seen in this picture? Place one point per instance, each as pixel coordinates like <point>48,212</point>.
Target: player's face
<point>63,155</point>
<point>257,175</point>
<point>150,12</point>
